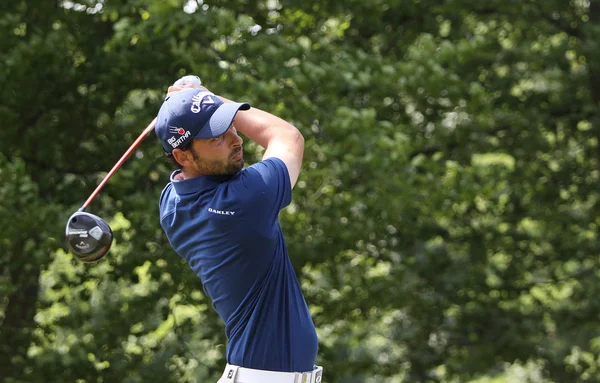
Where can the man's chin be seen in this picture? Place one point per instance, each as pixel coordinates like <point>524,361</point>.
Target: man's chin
<point>240,165</point>
<point>235,167</point>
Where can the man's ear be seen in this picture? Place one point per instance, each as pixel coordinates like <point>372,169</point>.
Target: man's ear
<point>183,157</point>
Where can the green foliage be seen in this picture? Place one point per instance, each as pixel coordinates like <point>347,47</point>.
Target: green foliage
<point>444,227</point>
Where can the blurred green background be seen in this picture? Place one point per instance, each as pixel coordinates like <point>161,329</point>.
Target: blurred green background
<point>444,227</point>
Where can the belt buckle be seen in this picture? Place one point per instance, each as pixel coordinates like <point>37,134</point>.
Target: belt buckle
<point>302,377</point>
<point>317,375</point>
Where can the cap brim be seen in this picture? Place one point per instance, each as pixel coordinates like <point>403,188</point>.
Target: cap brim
<point>221,120</point>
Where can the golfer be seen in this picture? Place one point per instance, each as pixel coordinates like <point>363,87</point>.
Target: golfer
<point>222,219</point>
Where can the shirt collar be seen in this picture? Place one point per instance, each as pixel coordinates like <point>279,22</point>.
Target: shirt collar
<point>196,184</point>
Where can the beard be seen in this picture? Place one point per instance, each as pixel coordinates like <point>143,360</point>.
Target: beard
<point>227,167</point>
<point>218,168</point>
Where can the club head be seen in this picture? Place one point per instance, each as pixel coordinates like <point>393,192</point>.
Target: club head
<point>88,236</point>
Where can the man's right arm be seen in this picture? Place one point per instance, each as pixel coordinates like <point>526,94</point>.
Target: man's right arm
<point>279,138</point>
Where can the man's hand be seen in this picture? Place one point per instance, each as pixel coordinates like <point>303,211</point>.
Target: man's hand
<point>176,88</point>
<point>185,82</point>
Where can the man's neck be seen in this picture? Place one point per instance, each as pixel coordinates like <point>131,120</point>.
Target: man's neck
<point>186,174</point>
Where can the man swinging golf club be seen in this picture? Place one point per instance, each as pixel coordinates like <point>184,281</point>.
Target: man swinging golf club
<point>223,220</point>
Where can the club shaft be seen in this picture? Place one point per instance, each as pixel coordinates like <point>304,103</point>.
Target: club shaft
<point>112,171</point>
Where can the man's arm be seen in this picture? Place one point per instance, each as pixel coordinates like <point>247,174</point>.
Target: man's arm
<point>279,138</point>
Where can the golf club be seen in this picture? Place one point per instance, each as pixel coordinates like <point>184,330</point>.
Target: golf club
<point>88,236</point>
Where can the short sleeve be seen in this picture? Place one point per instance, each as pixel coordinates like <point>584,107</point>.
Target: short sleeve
<point>267,190</point>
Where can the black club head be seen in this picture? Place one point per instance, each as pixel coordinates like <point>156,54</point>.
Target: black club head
<point>88,236</point>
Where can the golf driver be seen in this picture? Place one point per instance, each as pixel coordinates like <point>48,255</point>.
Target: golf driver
<point>88,236</point>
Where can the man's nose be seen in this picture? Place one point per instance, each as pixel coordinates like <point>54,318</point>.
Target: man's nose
<point>235,138</point>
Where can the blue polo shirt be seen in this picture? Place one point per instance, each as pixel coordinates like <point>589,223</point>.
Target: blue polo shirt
<point>227,229</point>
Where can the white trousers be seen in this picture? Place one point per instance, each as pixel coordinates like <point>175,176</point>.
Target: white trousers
<point>236,374</point>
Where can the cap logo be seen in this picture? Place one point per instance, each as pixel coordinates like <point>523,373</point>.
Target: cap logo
<point>201,99</point>
<point>174,129</point>
<point>176,141</point>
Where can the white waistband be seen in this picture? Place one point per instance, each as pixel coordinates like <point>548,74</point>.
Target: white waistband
<point>235,374</point>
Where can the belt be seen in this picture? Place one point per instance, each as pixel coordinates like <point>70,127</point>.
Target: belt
<point>233,374</point>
